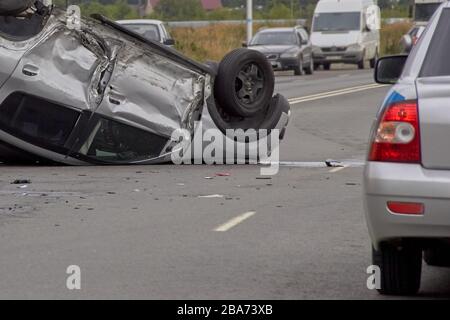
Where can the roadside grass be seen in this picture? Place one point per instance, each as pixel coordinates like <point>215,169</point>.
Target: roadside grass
<point>391,35</point>
<point>214,41</point>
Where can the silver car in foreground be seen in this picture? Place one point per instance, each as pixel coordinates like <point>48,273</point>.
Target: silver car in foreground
<point>407,177</point>
<point>82,91</point>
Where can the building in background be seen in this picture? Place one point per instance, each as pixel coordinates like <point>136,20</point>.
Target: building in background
<point>146,7</point>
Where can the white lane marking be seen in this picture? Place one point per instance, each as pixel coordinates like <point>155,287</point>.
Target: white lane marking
<point>315,164</point>
<point>234,222</point>
<point>212,196</point>
<point>335,93</point>
<point>335,170</point>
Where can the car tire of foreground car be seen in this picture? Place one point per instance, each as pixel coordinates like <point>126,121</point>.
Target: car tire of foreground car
<point>245,82</point>
<point>11,7</point>
<point>401,268</point>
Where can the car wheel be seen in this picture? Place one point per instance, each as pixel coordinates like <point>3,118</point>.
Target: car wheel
<point>373,61</point>
<point>401,269</point>
<point>316,66</point>
<point>298,71</point>
<point>437,257</point>
<point>13,7</point>
<point>245,82</point>
<point>310,69</point>
<point>327,66</point>
<point>362,63</point>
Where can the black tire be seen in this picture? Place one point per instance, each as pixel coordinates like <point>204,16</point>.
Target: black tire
<point>316,66</point>
<point>309,70</point>
<point>298,71</point>
<point>13,7</point>
<point>245,83</point>
<point>401,269</point>
<point>326,66</point>
<point>437,257</point>
<point>362,63</point>
<point>373,61</point>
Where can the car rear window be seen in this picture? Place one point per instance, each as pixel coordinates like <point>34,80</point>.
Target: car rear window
<point>437,59</point>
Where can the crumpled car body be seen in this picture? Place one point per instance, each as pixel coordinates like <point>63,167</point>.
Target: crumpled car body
<point>100,94</point>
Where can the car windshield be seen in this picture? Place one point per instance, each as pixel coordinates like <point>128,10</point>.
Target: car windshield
<point>148,31</point>
<point>337,21</point>
<point>274,38</point>
<point>424,11</point>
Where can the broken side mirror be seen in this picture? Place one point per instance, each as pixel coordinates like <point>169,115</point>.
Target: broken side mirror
<point>169,42</point>
<point>389,69</point>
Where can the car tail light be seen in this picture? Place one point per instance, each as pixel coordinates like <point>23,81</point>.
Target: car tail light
<point>411,208</point>
<point>397,136</point>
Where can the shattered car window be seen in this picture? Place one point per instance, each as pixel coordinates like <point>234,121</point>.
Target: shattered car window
<point>148,31</point>
<point>37,120</point>
<point>117,142</point>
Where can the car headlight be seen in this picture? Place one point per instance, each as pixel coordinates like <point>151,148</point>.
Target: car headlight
<point>289,54</point>
<point>355,47</point>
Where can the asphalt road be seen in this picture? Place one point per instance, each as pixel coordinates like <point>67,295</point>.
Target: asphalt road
<point>148,232</point>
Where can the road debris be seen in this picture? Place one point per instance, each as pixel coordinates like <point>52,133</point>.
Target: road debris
<point>223,174</point>
<point>333,163</point>
<point>21,181</point>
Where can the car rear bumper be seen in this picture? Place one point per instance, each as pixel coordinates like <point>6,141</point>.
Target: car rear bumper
<point>385,182</point>
<point>338,57</point>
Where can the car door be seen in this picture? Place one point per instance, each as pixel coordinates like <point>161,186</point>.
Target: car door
<point>307,48</point>
<point>369,39</point>
<point>433,90</point>
<point>53,88</point>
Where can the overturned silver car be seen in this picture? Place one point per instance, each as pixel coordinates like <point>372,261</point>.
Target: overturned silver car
<point>92,92</point>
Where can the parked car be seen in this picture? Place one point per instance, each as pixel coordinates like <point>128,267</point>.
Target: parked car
<point>410,39</point>
<point>285,48</point>
<point>341,33</point>
<point>154,30</point>
<point>407,176</point>
<point>93,92</point>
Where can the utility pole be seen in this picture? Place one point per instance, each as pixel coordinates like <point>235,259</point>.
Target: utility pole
<point>292,9</point>
<point>249,21</point>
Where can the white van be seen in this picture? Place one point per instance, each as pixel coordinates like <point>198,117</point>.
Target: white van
<point>346,31</point>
